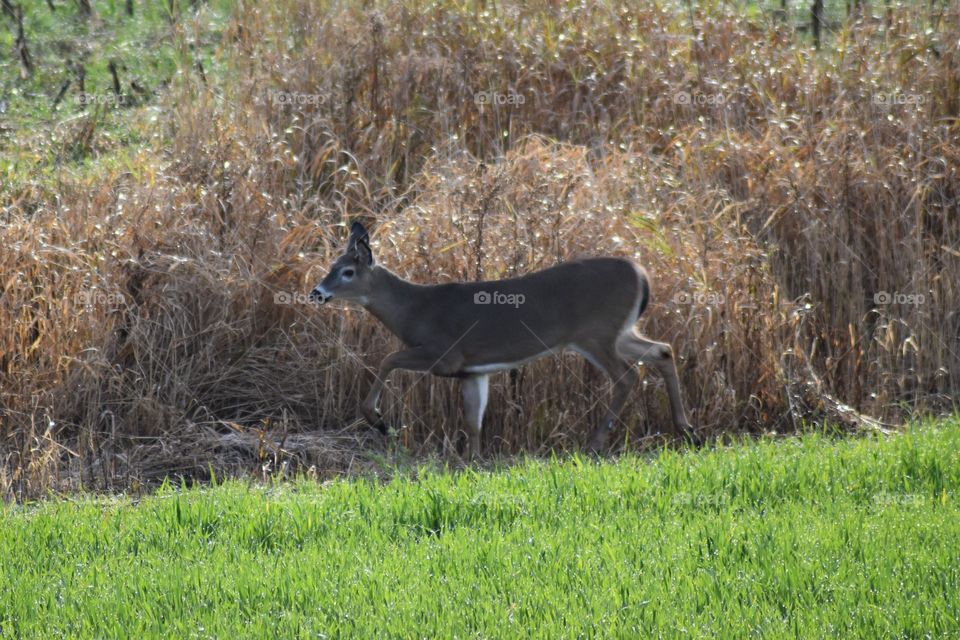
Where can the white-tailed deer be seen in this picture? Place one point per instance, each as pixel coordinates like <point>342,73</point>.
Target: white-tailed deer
<point>470,330</point>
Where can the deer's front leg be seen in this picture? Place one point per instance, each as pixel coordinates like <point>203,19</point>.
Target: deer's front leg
<point>409,359</point>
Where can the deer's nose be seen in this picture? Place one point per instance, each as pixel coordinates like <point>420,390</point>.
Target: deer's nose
<point>319,295</point>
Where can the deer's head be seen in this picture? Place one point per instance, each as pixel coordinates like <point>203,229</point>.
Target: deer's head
<point>349,277</point>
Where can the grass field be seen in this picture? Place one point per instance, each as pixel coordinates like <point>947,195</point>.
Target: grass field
<point>67,119</point>
<point>809,537</point>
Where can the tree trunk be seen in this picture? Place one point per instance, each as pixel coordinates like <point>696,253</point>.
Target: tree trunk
<point>816,21</point>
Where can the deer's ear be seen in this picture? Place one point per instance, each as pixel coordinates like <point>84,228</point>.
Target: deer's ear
<point>358,234</point>
<point>364,254</point>
<point>360,243</point>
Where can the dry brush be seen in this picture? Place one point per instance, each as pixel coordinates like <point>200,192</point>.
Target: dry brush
<point>798,212</point>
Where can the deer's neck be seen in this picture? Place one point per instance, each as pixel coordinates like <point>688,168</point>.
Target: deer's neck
<point>394,302</point>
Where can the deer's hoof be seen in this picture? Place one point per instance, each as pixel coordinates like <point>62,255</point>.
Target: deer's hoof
<point>375,420</point>
<point>689,435</point>
<point>596,445</point>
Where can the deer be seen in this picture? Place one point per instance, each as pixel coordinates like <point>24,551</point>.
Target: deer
<point>471,330</point>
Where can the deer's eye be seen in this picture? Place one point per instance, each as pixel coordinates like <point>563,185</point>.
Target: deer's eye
<point>347,273</point>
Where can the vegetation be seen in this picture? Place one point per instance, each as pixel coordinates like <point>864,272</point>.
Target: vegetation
<point>807,538</point>
<point>92,84</point>
<point>797,209</point>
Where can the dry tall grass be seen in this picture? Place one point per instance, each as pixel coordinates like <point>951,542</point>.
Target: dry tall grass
<point>143,324</point>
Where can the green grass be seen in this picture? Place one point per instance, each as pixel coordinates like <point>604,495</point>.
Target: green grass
<point>810,537</point>
<point>155,48</point>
